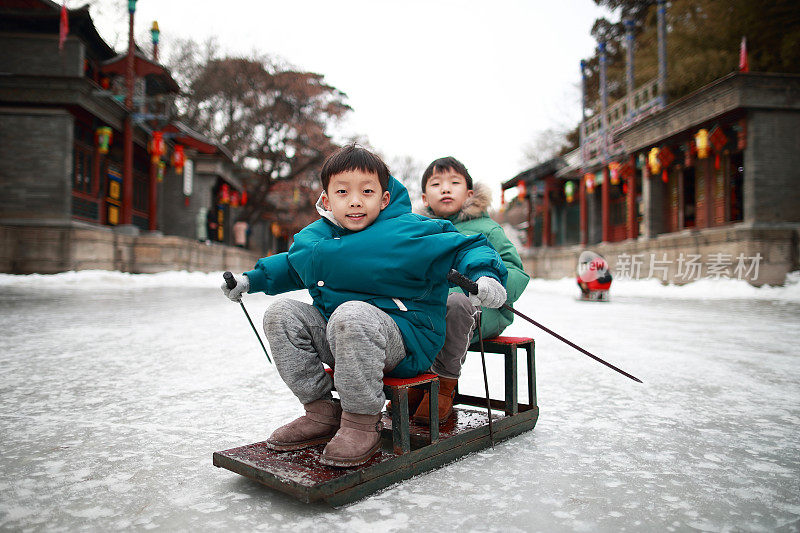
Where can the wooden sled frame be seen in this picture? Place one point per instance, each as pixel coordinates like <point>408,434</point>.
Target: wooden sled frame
<point>414,449</point>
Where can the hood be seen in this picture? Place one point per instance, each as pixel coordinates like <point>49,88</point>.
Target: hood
<point>399,203</point>
<point>474,207</point>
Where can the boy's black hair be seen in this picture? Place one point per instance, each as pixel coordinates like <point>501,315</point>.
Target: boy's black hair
<point>353,157</point>
<point>444,164</point>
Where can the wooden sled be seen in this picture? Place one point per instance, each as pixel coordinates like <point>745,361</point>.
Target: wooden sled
<point>408,449</point>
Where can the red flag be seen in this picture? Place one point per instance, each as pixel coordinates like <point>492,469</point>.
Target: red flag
<point>63,27</point>
<point>743,64</point>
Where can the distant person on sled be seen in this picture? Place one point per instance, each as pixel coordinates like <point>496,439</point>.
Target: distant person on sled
<point>377,276</point>
<point>448,193</point>
<point>594,278</point>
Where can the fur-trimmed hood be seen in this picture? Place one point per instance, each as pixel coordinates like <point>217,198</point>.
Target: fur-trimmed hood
<point>474,207</point>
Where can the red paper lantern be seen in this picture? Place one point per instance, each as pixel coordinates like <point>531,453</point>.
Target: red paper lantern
<point>588,180</point>
<point>613,170</point>
<point>244,197</point>
<point>521,190</point>
<point>224,194</point>
<point>665,157</point>
<point>718,141</point>
<point>157,147</point>
<point>178,158</point>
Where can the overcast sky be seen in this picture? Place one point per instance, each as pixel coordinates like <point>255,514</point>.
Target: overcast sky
<point>475,80</point>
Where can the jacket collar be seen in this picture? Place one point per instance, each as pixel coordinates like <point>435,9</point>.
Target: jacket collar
<point>324,213</point>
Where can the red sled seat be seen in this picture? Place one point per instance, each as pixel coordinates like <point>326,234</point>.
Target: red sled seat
<point>396,390</point>
<point>508,347</point>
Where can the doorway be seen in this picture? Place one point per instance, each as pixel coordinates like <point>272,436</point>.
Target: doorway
<point>689,198</point>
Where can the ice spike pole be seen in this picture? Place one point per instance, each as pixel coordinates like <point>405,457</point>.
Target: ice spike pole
<point>231,283</point>
<point>486,384</point>
<point>468,285</point>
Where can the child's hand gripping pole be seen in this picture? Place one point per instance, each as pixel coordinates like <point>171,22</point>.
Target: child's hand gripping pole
<point>456,278</point>
<point>231,283</point>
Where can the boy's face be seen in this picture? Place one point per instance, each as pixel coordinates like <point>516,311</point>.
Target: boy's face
<point>355,199</point>
<point>446,192</point>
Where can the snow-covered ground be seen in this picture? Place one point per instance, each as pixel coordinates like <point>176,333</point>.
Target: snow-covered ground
<point>115,390</point>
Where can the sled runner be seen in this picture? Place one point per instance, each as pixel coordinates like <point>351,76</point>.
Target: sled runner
<point>408,449</point>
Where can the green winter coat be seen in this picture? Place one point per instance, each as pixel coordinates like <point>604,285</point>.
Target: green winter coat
<point>473,219</point>
<point>399,264</point>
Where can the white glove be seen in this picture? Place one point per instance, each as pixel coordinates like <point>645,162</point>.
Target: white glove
<point>490,293</point>
<point>242,286</point>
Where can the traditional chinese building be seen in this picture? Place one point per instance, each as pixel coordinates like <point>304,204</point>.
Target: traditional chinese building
<point>92,175</point>
<point>705,186</point>
<point>711,178</point>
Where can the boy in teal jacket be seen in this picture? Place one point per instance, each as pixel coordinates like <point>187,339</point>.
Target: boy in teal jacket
<point>377,275</point>
<point>448,193</point>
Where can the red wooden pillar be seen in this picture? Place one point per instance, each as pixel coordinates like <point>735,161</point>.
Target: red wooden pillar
<point>633,227</point>
<point>152,214</point>
<point>703,177</point>
<point>127,172</point>
<point>97,168</point>
<point>710,182</point>
<point>546,215</point>
<point>582,199</point>
<point>531,216</point>
<point>605,201</point>
<point>127,155</point>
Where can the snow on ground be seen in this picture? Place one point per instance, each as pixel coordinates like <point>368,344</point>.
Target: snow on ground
<point>116,389</point>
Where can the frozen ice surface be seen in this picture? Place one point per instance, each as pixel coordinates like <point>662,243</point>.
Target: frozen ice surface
<point>115,390</point>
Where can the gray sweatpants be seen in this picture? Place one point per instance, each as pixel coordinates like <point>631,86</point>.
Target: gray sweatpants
<point>360,340</point>
<point>461,318</point>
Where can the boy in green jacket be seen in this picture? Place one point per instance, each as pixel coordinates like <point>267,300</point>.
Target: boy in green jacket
<point>448,193</point>
<point>376,273</point>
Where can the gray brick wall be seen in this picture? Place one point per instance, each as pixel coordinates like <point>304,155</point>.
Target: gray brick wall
<point>39,56</point>
<point>772,167</point>
<point>778,249</point>
<point>176,218</point>
<point>77,246</point>
<point>35,164</point>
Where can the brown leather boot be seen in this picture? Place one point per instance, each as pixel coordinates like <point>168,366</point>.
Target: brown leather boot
<point>317,426</point>
<point>358,439</point>
<point>447,389</point>
<point>415,395</point>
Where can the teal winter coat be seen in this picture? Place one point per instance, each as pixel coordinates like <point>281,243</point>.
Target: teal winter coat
<point>473,219</point>
<point>398,264</point>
